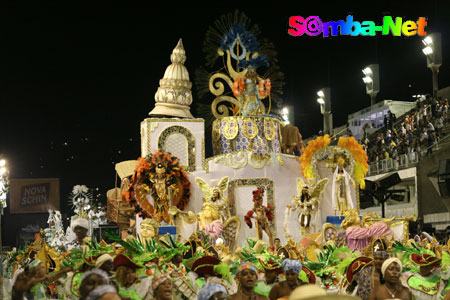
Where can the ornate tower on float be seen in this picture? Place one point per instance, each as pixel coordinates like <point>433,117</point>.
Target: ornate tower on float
<point>171,126</point>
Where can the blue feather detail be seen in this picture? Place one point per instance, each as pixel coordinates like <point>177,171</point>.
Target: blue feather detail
<point>259,61</point>
<point>248,40</point>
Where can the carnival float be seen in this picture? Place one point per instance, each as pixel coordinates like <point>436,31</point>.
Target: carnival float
<point>177,210</point>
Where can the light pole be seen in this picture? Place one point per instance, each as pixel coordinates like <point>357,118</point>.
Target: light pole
<point>287,114</point>
<point>4,186</point>
<point>433,52</point>
<point>372,81</point>
<point>325,108</point>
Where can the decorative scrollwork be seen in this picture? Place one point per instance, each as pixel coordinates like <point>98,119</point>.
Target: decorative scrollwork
<point>233,73</point>
<point>248,88</point>
<point>220,111</point>
<point>217,88</point>
<point>241,159</point>
<point>326,154</point>
<point>176,129</point>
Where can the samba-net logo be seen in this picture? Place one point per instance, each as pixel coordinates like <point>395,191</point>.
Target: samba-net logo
<point>313,26</point>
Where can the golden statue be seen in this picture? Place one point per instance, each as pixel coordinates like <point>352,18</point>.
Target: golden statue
<point>221,249</point>
<point>214,219</point>
<point>149,228</point>
<point>215,195</point>
<point>210,222</point>
<point>291,251</point>
<point>357,236</point>
<point>329,233</point>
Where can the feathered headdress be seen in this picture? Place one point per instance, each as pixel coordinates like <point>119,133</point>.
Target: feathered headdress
<point>259,192</point>
<point>235,31</point>
<point>142,182</point>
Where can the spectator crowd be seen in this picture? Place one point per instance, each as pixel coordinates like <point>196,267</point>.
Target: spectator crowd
<point>414,134</point>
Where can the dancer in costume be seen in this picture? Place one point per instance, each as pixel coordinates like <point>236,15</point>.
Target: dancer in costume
<point>163,191</point>
<point>277,245</point>
<point>253,89</point>
<point>358,237</point>
<point>91,280</point>
<point>105,263</point>
<point>203,268</point>
<point>392,288</point>
<point>425,284</point>
<point>38,270</point>
<point>126,277</point>
<point>160,176</point>
<point>162,287</point>
<point>247,275</point>
<point>271,272</point>
<point>73,280</point>
<point>370,278</point>
<point>263,215</point>
<point>30,282</point>
<point>213,291</point>
<point>80,226</point>
<point>307,202</point>
<point>209,269</point>
<point>283,289</point>
<point>103,292</point>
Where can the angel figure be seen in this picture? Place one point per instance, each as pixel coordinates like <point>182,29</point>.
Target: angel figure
<point>263,215</point>
<point>214,218</point>
<point>215,194</point>
<point>307,202</point>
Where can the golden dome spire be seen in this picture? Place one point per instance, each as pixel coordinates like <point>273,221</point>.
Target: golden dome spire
<point>174,95</point>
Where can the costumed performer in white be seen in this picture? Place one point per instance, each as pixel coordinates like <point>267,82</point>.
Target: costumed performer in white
<point>80,227</point>
<point>341,195</point>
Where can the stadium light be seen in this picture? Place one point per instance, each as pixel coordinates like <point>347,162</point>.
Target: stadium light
<point>372,81</point>
<point>325,109</point>
<point>433,53</point>
<point>4,186</point>
<point>367,79</point>
<point>427,41</point>
<point>427,50</point>
<point>367,71</point>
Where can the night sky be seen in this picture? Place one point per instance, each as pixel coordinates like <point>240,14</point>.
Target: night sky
<point>76,82</point>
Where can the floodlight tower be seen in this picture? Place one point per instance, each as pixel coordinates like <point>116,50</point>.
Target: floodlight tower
<point>372,81</point>
<point>4,186</point>
<point>325,108</point>
<point>433,52</point>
